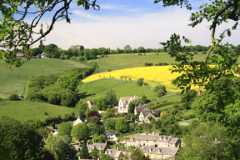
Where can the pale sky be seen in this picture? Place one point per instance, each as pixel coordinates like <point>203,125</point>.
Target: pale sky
<point>132,22</point>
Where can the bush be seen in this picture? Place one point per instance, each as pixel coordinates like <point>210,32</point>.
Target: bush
<point>195,52</point>
<point>140,81</point>
<point>14,97</point>
<point>148,64</point>
<point>204,52</point>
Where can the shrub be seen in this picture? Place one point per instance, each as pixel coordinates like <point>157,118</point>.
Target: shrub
<point>14,97</point>
<point>80,58</point>
<point>140,81</point>
<point>46,113</point>
<point>204,52</point>
<point>195,52</point>
<point>52,100</point>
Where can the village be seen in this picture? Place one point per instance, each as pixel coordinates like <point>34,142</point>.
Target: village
<point>156,146</point>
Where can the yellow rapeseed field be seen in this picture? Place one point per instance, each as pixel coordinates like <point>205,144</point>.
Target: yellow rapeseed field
<point>153,75</point>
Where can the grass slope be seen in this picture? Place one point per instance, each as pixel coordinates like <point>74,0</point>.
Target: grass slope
<point>19,110</point>
<point>122,89</point>
<point>16,81</point>
<point>122,61</point>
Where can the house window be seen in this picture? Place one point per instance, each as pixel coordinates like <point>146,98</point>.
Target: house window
<point>149,115</point>
<point>139,141</point>
<point>147,141</point>
<point>146,119</point>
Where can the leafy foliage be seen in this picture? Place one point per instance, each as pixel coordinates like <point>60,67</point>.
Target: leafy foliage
<point>22,140</point>
<point>64,129</point>
<point>84,154</point>
<point>122,125</point>
<point>81,132</point>
<point>137,154</point>
<point>206,141</point>
<point>188,98</point>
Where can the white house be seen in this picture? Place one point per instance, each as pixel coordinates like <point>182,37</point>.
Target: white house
<point>124,102</point>
<point>43,55</point>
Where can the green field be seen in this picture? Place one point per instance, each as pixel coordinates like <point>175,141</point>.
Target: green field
<point>122,61</point>
<point>122,89</point>
<point>19,110</point>
<point>16,81</point>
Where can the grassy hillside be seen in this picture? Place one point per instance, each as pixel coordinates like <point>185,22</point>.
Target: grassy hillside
<point>122,89</point>
<point>153,76</point>
<point>19,110</point>
<point>122,61</point>
<point>16,81</point>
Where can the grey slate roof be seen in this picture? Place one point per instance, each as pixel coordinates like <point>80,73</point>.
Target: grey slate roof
<point>146,113</point>
<point>140,107</point>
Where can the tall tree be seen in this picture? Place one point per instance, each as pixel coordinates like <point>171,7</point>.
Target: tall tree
<point>22,140</point>
<point>127,49</point>
<point>141,49</point>
<point>69,81</point>
<point>64,129</point>
<point>94,153</point>
<point>206,142</point>
<point>82,107</point>
<point>84,154</point>
<point>111,97</point>
<point>138,155</point>
<point>55,146</point>
<point>122,125</point>
<point>81,132</point>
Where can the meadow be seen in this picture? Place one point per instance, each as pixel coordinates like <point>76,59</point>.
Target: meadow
<point>16,81</point>
<point>153,75</point>
<point>19,110</point>
<point>130,60</point>
<point>122,89</point>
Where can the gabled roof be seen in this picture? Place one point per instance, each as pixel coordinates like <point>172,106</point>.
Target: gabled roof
<point>153,112</point>
<point>111,152</point>
<point>78,120</point>
<point>140,107</point>
<point>165,139</point>
<point>146,137</point>
<point>163,151</point>
<point>97,145</point>
<point>174,140</point>
<point>127,100</point>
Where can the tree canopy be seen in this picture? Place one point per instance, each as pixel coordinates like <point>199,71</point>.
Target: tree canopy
<point>64,129</point>
<point>81,132</point>
<point>22,140</point>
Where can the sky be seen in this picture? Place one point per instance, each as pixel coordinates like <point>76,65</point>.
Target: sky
<point>131,22</point>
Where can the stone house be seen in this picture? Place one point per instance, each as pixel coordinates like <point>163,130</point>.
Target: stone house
<point>115,154</point>
<point>146,114</point>
<point>153,140</point>
<point>159,153</point>
<point>78,120</point>
<point>99,146</point>
<point>124,103</point>
<point>139,108</point>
